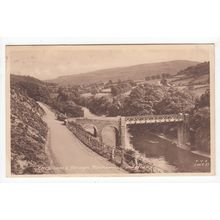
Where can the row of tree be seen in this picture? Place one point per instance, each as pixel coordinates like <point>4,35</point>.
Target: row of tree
<point>143,99</point>
<point>158,76</point>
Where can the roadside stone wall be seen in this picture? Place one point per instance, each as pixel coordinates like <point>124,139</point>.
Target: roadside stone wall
<point>130,160</point>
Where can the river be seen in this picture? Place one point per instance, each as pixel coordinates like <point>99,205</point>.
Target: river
<point>161,152</point>
<point>165,154</point>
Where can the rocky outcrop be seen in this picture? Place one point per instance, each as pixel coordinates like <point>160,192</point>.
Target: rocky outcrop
<point>28,135</point>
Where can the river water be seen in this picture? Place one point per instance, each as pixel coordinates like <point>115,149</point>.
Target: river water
<point>165,154</point>
<point>161,152</point>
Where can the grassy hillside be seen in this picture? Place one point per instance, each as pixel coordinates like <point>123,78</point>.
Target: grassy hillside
<point>131,72</point>
<point>28,134</point>
<point>194,75</point>
<point>197,70</point>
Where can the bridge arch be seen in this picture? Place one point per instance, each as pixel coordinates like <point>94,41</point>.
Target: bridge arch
<point>91,129</point>
<point>110,135</point>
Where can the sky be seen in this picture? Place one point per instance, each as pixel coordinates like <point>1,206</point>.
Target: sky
<point>49,62</point>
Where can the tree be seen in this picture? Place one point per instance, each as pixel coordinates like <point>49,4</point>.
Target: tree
<point>62,96</point>
<point>204,100</point>
<point>200,128</point>
<point>164,82</point>
<point>72,110</point>
<point>174,101</point>
<point>153,77</point>
<point>132,83</point>
<point>110,82</point>
<point>115,90</point>
<point>94,91</point>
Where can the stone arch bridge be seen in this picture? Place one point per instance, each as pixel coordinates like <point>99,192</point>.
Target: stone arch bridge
<point>119,124</point>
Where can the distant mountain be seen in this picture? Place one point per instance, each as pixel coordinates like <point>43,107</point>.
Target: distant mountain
<point>124,73</point>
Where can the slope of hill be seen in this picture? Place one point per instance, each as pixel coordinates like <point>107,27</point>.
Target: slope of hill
<point>18,79</point>
<point>33,87</point>
<point>194,75</point>
<point>197,70</point>
<point>28,135</point>
<point>131,72</point>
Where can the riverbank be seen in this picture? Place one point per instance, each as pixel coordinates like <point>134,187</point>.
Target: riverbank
<point>163,152</point>
<point>174,141</point>
<point>197,152</point>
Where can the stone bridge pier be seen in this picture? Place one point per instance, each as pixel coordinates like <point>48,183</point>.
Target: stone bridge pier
<point>183,133</point>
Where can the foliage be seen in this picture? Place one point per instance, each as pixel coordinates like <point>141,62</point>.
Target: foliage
<point>33,87</point>
<point>64,104</point>
<point>120,88</point>
<point>197,70</point>
<point>158,76</point>
<point>143,99</point>
<point>28,135</point>
<point>40,91</point>
<point>71,109</point>
<point>175,101</point>
<point>164,82</point>
<point>204,100</point>
<point>200,123</point>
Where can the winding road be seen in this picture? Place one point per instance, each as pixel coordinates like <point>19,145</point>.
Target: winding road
<point>69,155</point>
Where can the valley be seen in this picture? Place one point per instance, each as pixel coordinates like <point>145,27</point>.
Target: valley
<point>156,89</point>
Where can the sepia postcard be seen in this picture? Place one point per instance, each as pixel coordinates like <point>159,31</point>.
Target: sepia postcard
<point>110,110</point>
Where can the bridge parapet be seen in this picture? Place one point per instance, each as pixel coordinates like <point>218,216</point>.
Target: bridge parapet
<point>145,119</point>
